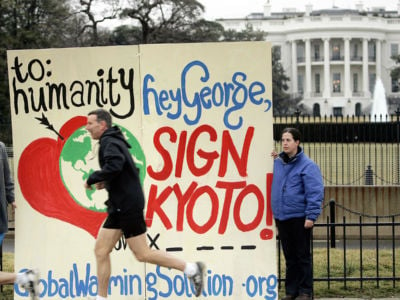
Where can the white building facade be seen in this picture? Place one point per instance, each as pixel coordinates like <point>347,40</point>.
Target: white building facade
<point>333,57</point>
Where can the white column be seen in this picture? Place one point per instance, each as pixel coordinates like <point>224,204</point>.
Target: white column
<point>307,93</point>
<point>327,71</point>
<point>295,88</point>
<point>365,69</point>
<point>347,89</point>
<point>378,58</point>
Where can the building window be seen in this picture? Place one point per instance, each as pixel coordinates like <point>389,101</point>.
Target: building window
<point>358,109</point>
<point>355,51</point>
<point>394,50</point>
<point>372,51</point>
<point>337,112</point>
<point>336,52</point>
<point>317,53</point>
<point>300,86</point>
<point>372,81</point>
<point>277,52</point>
<point>395,85</point>
<point>336,83</point>
<point>316,110</point>
<point>317,83</point>
<point>300,53</point>
<point>355,82</point>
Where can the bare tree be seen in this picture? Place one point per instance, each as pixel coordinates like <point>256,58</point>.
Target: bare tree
<point>157,16</point>
<point>94,12</point>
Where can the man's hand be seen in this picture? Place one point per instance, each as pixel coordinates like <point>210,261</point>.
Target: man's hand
<point>308,224</point>
<point>100,185</point>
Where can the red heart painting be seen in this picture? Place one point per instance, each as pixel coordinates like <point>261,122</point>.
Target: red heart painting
<point>42,186</point>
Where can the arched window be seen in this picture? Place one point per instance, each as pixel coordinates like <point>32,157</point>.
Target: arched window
<point>316,110</point>
<point>358,109</point>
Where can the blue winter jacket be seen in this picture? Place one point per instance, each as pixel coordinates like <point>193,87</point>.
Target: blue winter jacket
<point>297,188</point>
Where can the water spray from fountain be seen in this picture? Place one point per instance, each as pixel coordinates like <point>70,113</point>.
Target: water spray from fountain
<point>379,109</point>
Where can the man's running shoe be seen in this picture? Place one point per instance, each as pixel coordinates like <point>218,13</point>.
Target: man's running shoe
<point>31,283</point>
<point>197,278</point>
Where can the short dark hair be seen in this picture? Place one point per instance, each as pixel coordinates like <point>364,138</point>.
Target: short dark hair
<point>296,134</point>
<point>102,115</point>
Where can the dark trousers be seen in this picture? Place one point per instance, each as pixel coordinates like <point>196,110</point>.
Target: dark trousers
<point>295,241</point>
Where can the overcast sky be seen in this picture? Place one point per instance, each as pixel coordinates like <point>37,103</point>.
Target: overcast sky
<point>240,8</point>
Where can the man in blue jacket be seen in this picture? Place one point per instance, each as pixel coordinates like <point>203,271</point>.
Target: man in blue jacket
<point>297,194</point>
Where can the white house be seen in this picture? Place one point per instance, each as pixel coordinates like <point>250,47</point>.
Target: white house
<point>332,56</point>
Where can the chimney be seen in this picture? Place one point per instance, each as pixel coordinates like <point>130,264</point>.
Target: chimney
<point>267,9</point>
<point>309,8</point>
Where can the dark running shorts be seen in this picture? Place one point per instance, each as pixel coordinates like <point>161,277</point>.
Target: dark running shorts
<point>132,224</point>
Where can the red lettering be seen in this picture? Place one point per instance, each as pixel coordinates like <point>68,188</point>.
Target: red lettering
<point>237,197</point>
<point>195,153</point>
<point>268,193</point>
<point>189,200</point>
<point>165,172</point>
<point>228,146</point>
<point>182,200</point>
<point>154,206</point>
<point>180,156</point>
<point>214,209</point>
<point>250,189</point>
<point>229,187</point>
<point>208,156</point>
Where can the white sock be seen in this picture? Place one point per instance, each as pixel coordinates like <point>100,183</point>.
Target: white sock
<point>21,278</point>
<point>190,269</point>
<point>100,298</point>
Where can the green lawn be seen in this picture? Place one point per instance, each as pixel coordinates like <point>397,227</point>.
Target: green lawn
<point>352,289</point>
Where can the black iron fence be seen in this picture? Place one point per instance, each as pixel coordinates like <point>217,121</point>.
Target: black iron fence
<point>348,260</point>
<point>350,151</point>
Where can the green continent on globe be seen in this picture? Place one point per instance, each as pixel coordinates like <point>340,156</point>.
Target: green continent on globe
<point>79,159</point>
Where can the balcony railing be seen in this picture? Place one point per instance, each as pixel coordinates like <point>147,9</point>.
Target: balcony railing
<point>356,58</point>
<point>337,58</point>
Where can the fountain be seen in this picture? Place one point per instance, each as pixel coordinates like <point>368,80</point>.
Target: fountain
<point>379,109</point>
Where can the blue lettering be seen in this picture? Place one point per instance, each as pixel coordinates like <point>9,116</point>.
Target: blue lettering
<point>204,93</point>
<point>233,95</point>
<point>255,286</point>
<point>160,284</point>
<point>179,285</point>
<point>256,89</point>
<point>197,99</point>
<point>167,280</point>
<point>217,94</point>
<point>146,92</point>
<point>178,99</point>
<point>44,290</point>
<point>151,280</point>
<point>272,283</point>
<point>81,286</point>
<point>219,284</point>
<point>52,284</point>
<point>251,286</point>
<point>64,288</point>
<point>116,281</point>
<point>164,97</point>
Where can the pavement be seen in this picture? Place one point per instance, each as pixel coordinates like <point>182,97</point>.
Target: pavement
<point>8,243</point>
